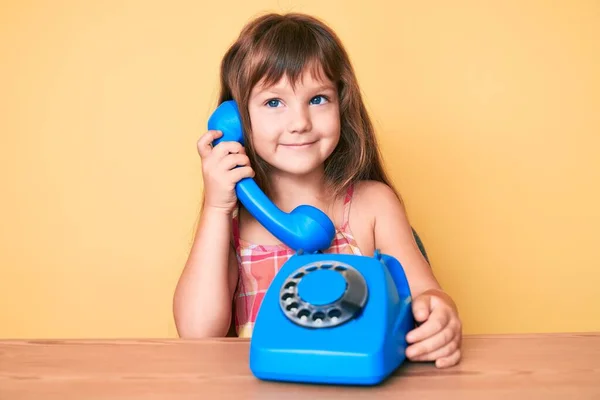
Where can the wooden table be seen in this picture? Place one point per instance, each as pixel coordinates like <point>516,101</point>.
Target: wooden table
<point>552,366</point>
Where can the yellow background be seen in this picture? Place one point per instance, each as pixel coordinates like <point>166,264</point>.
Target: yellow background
<point>488,113</point>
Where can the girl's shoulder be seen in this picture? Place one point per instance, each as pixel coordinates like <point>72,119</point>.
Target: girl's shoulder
<point>375,196</point>
<point>372,203</point>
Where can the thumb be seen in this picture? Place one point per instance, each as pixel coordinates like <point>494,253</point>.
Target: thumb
<point>422,307</point>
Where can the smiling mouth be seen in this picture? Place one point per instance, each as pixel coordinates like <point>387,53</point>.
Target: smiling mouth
<point>298,144</point>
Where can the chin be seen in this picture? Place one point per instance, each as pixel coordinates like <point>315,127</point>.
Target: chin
<point>298,169</point>
<point>297,164</point>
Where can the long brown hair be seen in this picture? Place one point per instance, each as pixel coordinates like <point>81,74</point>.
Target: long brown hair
<point>273,45</point>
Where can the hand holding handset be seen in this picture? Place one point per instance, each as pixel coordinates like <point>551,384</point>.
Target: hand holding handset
<point>325,318</point>
<point>305,228</point>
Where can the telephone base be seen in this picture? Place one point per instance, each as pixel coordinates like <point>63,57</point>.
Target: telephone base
<point>373,370</point>
<point>308,331</point>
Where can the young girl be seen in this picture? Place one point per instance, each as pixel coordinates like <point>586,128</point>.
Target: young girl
<point>309,140</point>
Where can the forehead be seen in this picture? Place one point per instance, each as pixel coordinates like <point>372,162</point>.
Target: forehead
<point>309,78</point>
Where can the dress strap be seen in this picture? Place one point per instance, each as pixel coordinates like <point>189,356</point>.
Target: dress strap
<point>235,228</point>
<point>347,203</point>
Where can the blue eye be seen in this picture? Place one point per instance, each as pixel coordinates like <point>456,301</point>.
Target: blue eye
<point>273,103</point>
<point>317,100</point>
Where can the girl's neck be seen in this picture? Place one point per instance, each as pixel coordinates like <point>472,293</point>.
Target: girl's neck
<point>289,191</point>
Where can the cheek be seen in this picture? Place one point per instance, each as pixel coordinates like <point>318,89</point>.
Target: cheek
<point>330,126</point>
<point>334,133</point>
<point>264,133</point>
<point>264,137</point>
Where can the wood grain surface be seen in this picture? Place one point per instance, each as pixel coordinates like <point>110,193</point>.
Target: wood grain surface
<point>509,367</point>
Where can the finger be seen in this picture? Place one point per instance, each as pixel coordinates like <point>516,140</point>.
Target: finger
<point>238,174</point>
<point>436,322</point>
<point>443,348</point>
<point>449,361</point>
<point>225,148</point>
<point>421,306</point>
<point>234,160</point>
<point>205,142</point>
<point>431,344</point>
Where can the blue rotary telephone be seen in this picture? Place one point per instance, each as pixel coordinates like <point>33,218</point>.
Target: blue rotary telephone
<point>326,318</point>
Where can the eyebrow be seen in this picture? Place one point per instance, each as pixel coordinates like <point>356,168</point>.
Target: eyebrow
<point>325,87</point>
<point>275,90</point>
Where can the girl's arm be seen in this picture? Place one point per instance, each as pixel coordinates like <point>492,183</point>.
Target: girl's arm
<point>202,303</point>
<point>438,336</point>
<point>203,297</point>
<point>393,235</point>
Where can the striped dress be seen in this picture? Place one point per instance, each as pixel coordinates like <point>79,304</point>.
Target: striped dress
<point>258,265</point>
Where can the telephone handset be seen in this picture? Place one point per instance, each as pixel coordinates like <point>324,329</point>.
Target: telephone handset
<point>305,228</point>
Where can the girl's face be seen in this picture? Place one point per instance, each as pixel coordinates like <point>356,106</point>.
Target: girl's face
<point>295,129</point>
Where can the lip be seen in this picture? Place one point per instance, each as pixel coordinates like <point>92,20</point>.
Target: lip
<point>298,145</point>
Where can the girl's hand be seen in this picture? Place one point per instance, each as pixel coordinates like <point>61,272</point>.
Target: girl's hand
<point>219,170</point>
<point>439,336</point>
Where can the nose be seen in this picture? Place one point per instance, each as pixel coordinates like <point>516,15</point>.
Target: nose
<point>299,121</point>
